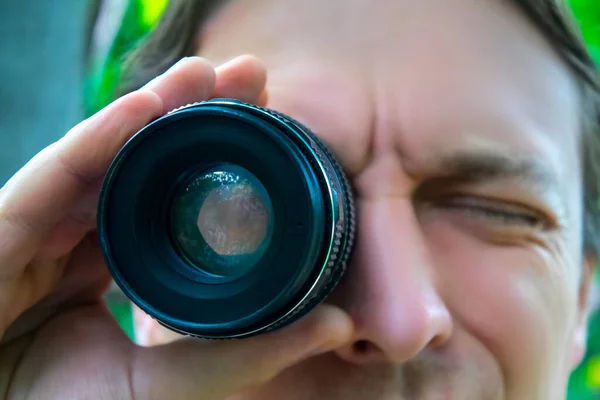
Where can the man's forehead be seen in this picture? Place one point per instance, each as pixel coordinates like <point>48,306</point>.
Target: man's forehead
<point>434,50</point>
<point>371,27</point>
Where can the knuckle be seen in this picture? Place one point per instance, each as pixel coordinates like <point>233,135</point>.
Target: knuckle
<point>15,220</point>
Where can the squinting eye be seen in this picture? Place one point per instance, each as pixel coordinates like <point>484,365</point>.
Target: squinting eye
<point>504,213</point>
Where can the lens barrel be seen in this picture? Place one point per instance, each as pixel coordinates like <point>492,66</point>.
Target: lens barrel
<point>225,220</point>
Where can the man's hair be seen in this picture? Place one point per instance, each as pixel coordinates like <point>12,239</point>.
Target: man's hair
<point>177,34</point>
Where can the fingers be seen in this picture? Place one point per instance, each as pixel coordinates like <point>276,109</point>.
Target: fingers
<point>191,368</point>
<point>243,78</point>
<point>41,193</point>
<point>62,181</point>
<point>83,280</point>
<point>191,79</point>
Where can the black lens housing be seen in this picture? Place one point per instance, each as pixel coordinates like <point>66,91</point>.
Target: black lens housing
<point>313,228</point>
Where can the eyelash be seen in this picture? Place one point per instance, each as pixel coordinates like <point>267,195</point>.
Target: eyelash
<point>488,209</point>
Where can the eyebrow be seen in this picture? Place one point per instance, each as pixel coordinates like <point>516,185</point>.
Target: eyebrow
<point>469,167</point>
<point>527,172</point>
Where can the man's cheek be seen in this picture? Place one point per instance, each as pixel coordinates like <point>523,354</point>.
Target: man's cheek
<point>502,300</point>
<point>558,284</point>
<point>518,313</point>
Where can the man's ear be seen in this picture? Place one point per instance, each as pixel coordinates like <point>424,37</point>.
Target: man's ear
<point>585,288</point>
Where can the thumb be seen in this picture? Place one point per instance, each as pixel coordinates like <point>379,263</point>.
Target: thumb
<point>214,370</point>
<point>324,329</point>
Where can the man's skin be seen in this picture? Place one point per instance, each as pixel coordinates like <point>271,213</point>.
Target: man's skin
<point>459,127</point>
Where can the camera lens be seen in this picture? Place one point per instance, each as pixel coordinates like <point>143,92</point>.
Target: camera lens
<point>225,220</point>
<point>222,220</point>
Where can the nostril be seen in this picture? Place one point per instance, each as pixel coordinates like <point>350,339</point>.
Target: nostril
<point>361,352</point>
<point>361,347</point>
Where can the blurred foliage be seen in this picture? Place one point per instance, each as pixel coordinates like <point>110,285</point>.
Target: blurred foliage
<point>587,14</point>
<point>585,381</point>
<point>138,19</point>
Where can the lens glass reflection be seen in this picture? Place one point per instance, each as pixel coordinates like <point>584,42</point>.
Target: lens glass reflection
<point>222,220</point>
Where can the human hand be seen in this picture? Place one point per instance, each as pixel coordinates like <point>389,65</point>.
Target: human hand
<point>58,340</point>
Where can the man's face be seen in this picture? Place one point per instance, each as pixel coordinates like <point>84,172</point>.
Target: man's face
<point>459,128</point>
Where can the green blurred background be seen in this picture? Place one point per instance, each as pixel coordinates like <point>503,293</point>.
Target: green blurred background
<point>120,24</point>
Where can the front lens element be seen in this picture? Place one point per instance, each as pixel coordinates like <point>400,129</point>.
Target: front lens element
<point>222,220</point>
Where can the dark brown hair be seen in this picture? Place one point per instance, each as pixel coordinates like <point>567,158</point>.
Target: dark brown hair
<point>176,36</point>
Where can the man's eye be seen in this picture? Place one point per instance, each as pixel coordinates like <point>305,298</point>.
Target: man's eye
<point>503,213</point>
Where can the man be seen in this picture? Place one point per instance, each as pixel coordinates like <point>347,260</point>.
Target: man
<point>468,129</point>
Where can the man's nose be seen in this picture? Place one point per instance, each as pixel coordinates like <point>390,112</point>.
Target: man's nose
<point>390,289</point>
